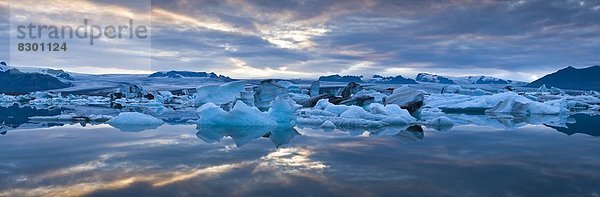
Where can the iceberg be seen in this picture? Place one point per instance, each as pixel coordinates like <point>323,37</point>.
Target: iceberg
<point>131,92</point>
<point>282,111</point>
<point>291,87</point>
<point>342,116</point>
<point>240,115</point>
<point>359,100</point>
<point>407,98</point>
<point>315,88</point>
<point>456,89</point>
<point>266,92</point>
<point>134,122</point>
<point>465,103</point>
<point>219,94</point>
<point>350,89</point>
<point>524,106</point>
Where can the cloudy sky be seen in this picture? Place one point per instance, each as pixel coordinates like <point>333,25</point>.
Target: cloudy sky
<point>520,40</point>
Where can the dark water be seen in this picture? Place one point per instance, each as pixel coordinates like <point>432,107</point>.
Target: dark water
<point>183,160</point>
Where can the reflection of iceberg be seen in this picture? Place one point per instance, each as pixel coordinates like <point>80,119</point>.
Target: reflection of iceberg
<point>388,131</point>
<point>134,122</point>
<point>412,133</point>
<point>241,135</point>
<point>407,133</point>
<point>584,123</point>
<point>283,134</point>
<point>507,121</point>
<point>14,116</point>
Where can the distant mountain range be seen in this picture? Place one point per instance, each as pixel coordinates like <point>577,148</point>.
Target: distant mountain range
<point>189,74</point>
<point>14,81</point>
<point>338,78</point>
<point>431,78</point>
<point>375,79</point>
<point>52,72</point>
<point>572,78</point>
<point>421,77</point>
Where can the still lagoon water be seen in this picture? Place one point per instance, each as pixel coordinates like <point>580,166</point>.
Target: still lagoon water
<point>184,160</point>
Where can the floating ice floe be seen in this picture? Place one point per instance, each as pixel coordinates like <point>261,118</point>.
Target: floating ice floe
<point>524,106</point>
<point>456,89</point>
<point>479,104</point>
<point>376,115</point>
<point>135,121</point>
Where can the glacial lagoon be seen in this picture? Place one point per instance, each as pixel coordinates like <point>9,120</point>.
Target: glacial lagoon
<point>502,158</point>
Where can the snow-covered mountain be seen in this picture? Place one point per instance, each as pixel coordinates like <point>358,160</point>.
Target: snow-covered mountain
<point>12,80</point>
<point>61,74</point>
<point>431,78</point>
<point>338,78</point>
<point>571,78</point>
<point>375,79</point>
<point>189,74</point>
<point>4,67</point>
<point>391,80</point>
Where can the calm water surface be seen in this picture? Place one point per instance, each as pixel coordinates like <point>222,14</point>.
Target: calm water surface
<point>183,160</point>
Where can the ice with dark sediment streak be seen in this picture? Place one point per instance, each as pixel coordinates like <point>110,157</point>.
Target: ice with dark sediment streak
<point>407,98</point>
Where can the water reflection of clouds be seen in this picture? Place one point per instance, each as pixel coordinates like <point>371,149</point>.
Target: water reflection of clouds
<point>103,161</point>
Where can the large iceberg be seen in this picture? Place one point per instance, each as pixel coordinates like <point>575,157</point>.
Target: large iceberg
<point>240,115</point>
<point>281,112</point>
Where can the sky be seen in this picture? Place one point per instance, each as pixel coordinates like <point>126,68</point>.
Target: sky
<point>519,40</point>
